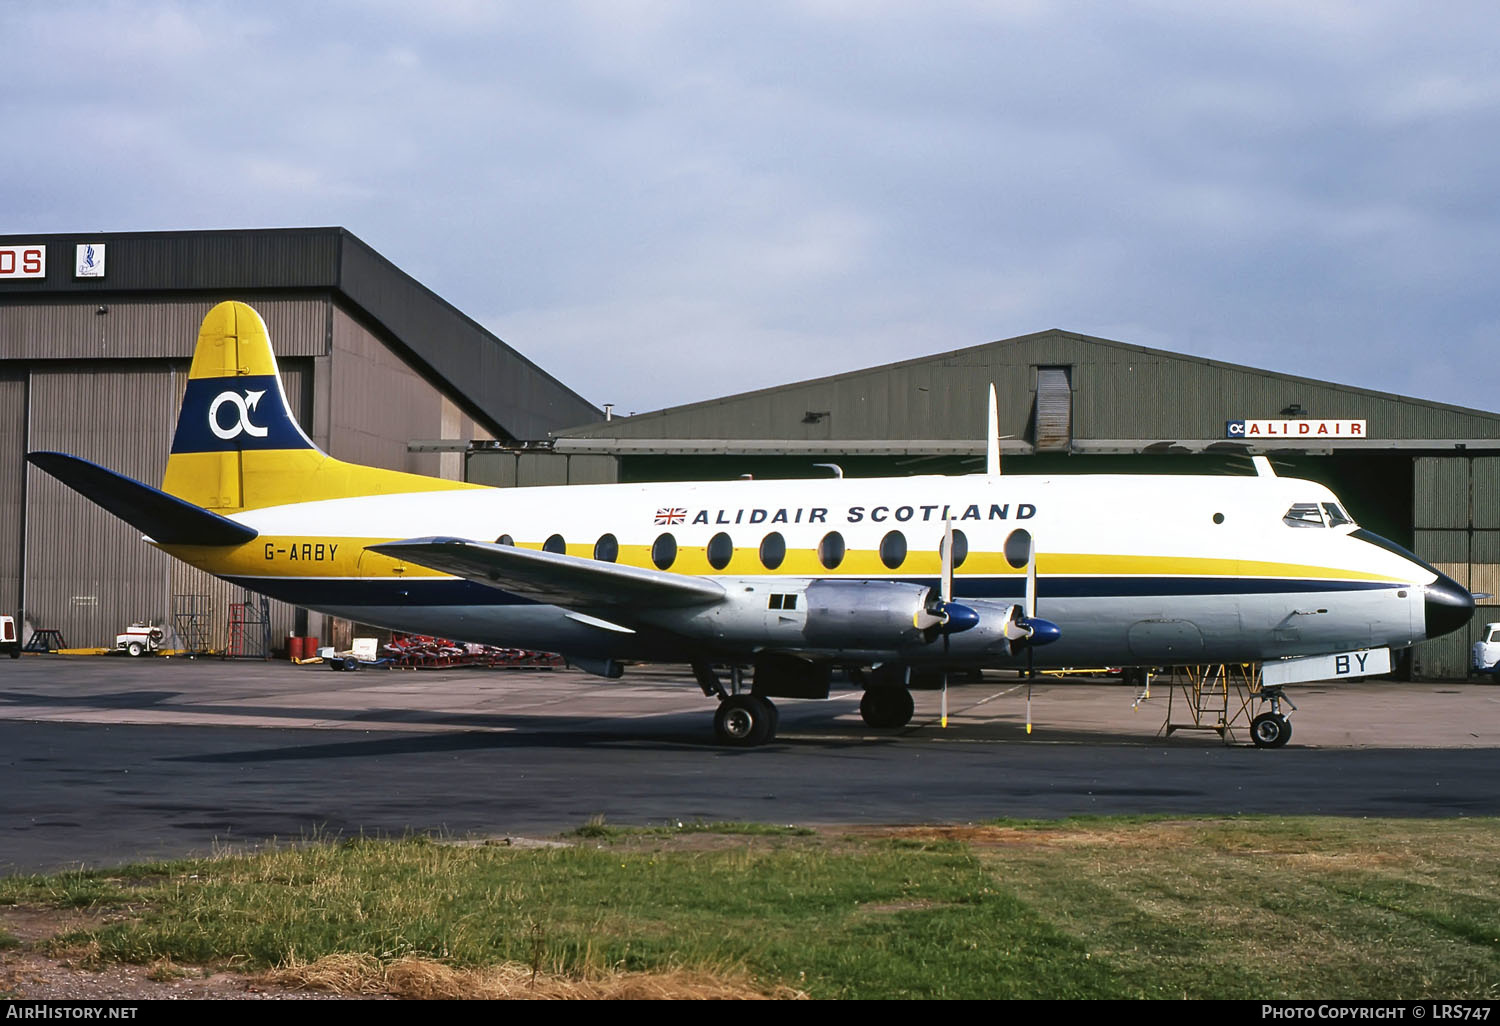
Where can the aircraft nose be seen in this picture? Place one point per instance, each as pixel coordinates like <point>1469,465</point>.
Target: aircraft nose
<point>1448,605</point>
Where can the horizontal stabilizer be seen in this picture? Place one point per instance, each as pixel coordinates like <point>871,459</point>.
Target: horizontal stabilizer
<point>161,517</point>
<point>553,578</point>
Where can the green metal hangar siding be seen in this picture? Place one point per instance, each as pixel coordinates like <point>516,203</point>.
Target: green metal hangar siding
<point>1424,474</point>
<point>96,335</point>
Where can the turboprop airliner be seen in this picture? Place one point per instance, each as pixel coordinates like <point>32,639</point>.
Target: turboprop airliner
<point>881,577</point>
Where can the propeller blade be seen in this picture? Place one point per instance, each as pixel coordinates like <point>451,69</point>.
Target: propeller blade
<point>1029,674</point>
<point>945,681</point>
<point>1031,578</point>
<point>947,561</point>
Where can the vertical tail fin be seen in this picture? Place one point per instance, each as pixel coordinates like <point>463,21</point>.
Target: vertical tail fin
<point>237,444</point>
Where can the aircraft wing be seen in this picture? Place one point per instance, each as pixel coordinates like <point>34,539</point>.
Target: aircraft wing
<point>554,578</point>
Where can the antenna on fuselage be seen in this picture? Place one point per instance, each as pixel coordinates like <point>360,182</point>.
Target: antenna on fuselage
<point>992,438</point>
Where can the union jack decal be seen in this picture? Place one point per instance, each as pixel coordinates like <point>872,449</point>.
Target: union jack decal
<point>674,515</point>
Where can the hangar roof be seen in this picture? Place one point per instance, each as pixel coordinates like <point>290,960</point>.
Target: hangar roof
<point>500,388</point>
<point>1117,398</point>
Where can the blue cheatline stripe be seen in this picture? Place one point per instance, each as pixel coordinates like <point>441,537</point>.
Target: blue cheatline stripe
<point>225,404</point>
<point>451,591</point>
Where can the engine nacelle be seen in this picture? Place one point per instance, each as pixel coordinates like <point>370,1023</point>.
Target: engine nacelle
<point>864,614</point>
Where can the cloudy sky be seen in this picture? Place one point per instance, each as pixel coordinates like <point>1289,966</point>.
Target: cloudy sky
<point>665,202</point>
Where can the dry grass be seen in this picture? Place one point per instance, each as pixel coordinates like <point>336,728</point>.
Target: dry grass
<point>426,979</point>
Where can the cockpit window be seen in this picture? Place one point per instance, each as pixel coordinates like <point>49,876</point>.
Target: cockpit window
<point>1336,516</point>
<point>1303,514</point>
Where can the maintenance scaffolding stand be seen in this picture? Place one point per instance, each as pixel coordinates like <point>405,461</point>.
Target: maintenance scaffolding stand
<point>1219,696</point>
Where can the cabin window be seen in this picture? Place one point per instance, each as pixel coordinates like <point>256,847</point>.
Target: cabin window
<point>555,544</point>
<point>1218,518</point>
<point>960,548</point>
<point>720,551</point>
<point>505,539</point>
<point>607,548</point>
<point>1494,635</point>
<point>1018,547</point>
<point>831,550</point>
<point>1303,514</point>
<point>664,551</point>
<point>1336,515</point>
<point>893,550</point>
<point>772,550</point>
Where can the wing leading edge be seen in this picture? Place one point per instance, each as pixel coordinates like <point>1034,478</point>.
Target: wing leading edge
<point>553,578</point>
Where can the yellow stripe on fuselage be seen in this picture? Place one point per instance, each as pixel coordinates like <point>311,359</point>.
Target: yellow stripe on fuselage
<point>292,556</point>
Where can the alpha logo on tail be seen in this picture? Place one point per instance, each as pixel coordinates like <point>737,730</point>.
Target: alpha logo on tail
<point>245,405</point>
<point>249,414</point>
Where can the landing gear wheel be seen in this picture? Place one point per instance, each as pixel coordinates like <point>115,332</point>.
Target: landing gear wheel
<point>1270,730</point>
<point>886,707</point>
<point>745,721</point>
<point>135,648</point>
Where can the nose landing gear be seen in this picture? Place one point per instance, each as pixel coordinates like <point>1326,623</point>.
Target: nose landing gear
<point>1272,729</point>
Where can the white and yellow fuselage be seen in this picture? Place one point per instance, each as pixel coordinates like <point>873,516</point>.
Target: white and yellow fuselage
<point>1134,569</point>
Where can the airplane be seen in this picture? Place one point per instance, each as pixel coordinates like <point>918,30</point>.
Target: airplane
<point>893,580</point>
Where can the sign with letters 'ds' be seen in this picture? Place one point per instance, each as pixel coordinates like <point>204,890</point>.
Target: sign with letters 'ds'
<point>1294,430</point>
<point>1363,662</point>
<point>23,261</point>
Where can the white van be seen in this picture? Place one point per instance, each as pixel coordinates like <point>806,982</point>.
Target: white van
<point>1486,654</point>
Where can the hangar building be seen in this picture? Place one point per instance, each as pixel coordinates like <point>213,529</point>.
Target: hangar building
<point>94,356</point>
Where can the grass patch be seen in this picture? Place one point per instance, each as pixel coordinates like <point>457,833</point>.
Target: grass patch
<point>1237,908</point>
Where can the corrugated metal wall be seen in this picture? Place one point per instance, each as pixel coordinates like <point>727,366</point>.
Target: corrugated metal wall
<point>516,469</point>
<point>73,329</point>
<point>88,574</point>
<point>376,405</point>
<point>1456,506</point>
<point>12,487</point>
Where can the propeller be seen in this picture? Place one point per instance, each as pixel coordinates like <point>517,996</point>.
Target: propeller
<point>1022,627</point>
<point>942,616</point>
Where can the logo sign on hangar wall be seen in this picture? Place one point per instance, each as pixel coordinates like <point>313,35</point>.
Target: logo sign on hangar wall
<point>1312,430</point>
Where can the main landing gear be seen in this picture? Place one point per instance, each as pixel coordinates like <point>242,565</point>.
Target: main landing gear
<point>743,719</point>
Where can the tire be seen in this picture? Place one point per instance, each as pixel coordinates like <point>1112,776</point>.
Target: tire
<point>350,663</point>
<point>15,651</point>
<point>743,721</point>
<point>773,715</point>
<point>134,648</point>
<point>1270,730</point>
<point>886,708</point>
